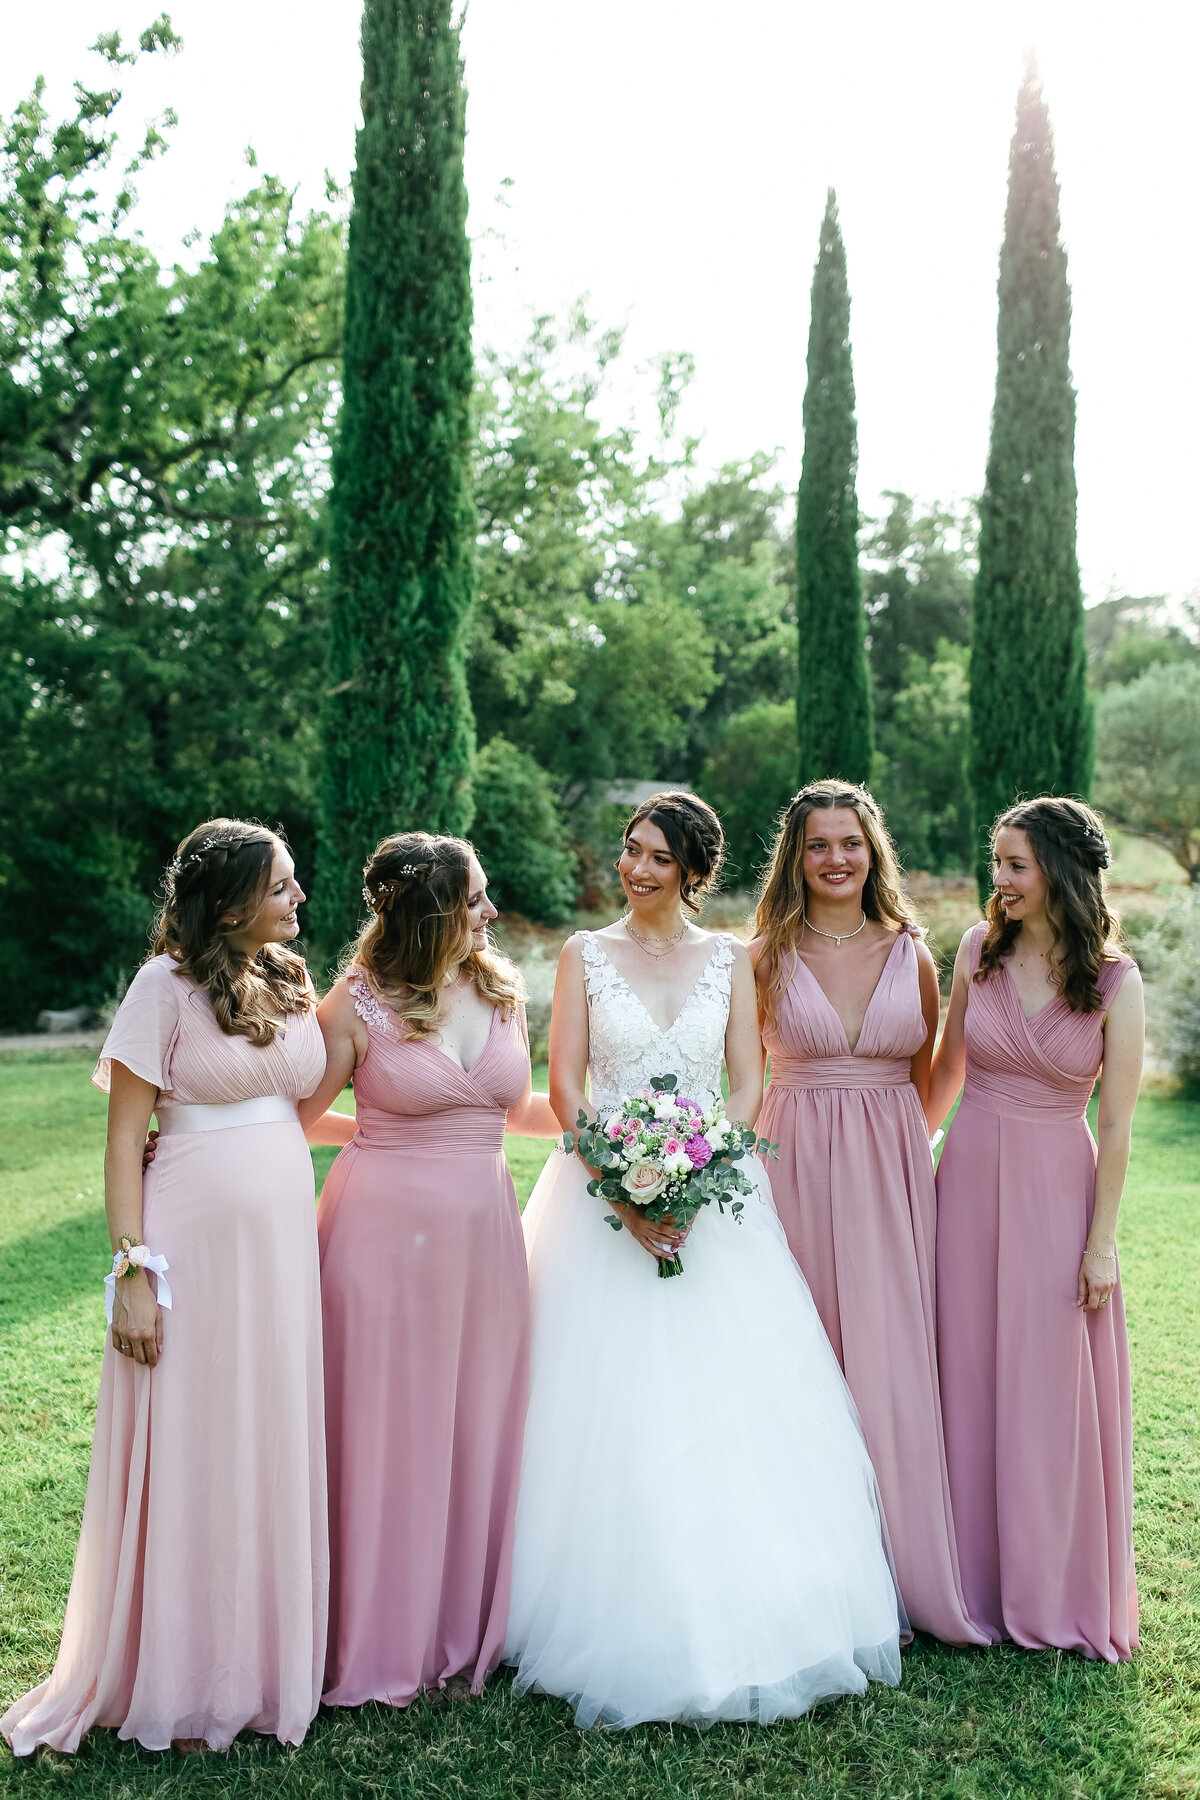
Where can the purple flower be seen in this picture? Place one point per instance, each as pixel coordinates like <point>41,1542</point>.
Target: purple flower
<point>699,1151</point>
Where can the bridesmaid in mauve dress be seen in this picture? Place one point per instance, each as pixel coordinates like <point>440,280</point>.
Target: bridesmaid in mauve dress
<point>198,1601</point>
<point>849,1001</point>
<point>1034,1355</point>
<point>424,1285</point>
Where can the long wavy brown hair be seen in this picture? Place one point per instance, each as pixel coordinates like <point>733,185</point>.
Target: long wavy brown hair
<point>1070,848</point>
<point>783,909</point>
<point>223,869</point>
<point>418,937</point>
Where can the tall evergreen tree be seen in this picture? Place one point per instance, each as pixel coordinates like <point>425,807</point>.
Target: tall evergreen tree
<point>1031,725</point>
<point>396,724</point>
<point>833,713</point>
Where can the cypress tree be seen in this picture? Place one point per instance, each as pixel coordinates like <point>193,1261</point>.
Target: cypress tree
<point>833,713</point>
<point>396,724</point>
<point>1031,726</point>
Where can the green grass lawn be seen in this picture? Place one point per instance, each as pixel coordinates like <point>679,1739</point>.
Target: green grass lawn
<point>980,1726</point>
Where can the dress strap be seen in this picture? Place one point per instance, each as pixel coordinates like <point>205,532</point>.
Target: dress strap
<point>368,1005</point>
<point>600,974</point>
<point>976,935</point>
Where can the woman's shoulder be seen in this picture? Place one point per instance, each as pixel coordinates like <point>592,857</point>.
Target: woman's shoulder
<point>159,981</point>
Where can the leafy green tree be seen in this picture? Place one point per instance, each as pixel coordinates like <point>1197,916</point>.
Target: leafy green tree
<point>1148,759</point>
<point>1127,635</point>
<point>1031,725</point>
<point>749,778</point>
<point>396,726</point>
<point>920,776</point>
<point>834,695</point>
<point>162,468</point>
<point>919,569</point>
<point>583,652</point>
<point>519,835</point>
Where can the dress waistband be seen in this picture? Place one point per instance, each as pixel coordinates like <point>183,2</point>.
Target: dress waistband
<point>264,1109</point>
<point>458,1131</point>
<point>1034,1102</point>
<point>840,1071</point>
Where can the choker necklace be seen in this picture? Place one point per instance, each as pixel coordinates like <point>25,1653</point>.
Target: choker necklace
<point>669,942</point>
<point>833,934</point>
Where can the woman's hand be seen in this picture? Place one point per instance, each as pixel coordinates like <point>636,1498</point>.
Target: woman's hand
<point>1097,1279</point>
<point>137,1319</point>
<point>660,1239</point>
<point>148,1149</point>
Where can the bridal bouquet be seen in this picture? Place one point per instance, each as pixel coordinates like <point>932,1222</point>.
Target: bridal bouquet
<point>667,1155</point>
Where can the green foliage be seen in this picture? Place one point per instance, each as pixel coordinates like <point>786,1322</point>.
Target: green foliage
<point>834,694</point>
<point>161,476</point>
<point>1031,727</point>
<point>1126,636</point>
<point>583,652</point>
<point>1148,759</point>
<point>750,778</point>
<point>1170,956</point>
<point>921,763</point>
<point>396,725</point>
<point>972,1725</point>
<point>920,565</point>
<point>519,835</point>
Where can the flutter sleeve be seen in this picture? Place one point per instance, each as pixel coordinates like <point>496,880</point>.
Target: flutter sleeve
<point>146,1028</point>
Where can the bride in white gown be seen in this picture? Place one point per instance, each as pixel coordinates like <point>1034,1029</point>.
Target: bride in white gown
<point>698,1533</point>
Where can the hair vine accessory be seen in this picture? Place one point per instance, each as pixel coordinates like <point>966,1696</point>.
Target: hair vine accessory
<point>131,1257</point>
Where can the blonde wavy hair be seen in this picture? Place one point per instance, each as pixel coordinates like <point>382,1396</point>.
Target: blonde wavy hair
<point>783,908</point>
<point>418,937</point>
<point>223,868</point>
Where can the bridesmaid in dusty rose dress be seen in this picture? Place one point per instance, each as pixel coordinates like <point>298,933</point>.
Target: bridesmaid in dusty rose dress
<point>198,1601</point>
<point>1034,1355</point>
<point>424,1285</point>
<point>849,1007</point>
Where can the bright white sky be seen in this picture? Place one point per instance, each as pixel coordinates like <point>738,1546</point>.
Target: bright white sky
<point>670,158</point>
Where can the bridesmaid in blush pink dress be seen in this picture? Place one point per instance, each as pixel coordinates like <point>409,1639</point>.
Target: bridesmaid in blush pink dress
<point>849,1003</point>
<point>198,1600</point>
<point>1034,1355</point>
<point>424,1285</point>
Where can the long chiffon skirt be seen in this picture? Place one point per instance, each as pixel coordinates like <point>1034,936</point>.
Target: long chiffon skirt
<point>426,1305</point>
<point>698,1531</point>
<point>198,1602</point>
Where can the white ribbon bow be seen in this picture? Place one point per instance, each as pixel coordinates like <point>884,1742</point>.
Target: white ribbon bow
<point>141,1258</point>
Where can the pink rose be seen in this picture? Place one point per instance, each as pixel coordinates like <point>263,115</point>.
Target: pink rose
<point>614,1130</point>
<point>699,1151</point>
<point>673,1146</point>
<point>643,1182</point>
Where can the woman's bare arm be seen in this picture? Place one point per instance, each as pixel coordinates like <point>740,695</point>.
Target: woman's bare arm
<point>743,1044</point>
<point>950,1060</point>
<point>1120,1078</point>
<point>137,1320</point>
<point>345,1046</point>
<point>931,1006</point>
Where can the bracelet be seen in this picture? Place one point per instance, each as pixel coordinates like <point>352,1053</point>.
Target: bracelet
<point>127,1261</point>
<point>1105,1255</point>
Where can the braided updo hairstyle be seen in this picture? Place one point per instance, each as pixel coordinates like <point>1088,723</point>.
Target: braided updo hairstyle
<point>418,938</point>
<point>1070,848</point>
<point>694,838</point>
<point>223,868</point>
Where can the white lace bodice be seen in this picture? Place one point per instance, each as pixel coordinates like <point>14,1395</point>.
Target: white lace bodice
<point>626,1047</point>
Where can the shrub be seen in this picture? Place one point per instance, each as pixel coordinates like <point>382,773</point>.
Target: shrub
<point>519,835</point>
<point>1171,956</point>
<point>750,778</point>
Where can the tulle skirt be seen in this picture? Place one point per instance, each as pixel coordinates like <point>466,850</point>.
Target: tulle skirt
<point>698,1532</point>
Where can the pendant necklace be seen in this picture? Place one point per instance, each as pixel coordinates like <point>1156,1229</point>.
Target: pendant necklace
<point>669,942</point>
<point>833,934</point>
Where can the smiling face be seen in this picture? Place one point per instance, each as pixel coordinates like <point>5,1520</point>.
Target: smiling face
<point>480,911</point>
<point>649,872</point>
<point>275,921</point>
<point>1015,873</point>
<point>837,856</point>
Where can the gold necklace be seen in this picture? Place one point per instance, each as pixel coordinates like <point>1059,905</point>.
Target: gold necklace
<point>671,942</point>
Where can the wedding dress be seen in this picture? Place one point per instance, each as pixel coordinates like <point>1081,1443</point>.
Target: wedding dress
<point>698,1531</point>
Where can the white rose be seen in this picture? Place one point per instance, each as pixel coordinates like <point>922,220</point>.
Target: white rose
<point>715,1136</point>
<point>643,1182</point>
<point>664,1106</point>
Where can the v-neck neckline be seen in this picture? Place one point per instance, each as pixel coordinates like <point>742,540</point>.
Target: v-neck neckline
<point>1029,1018</point>
<point>663,1031</point>
<point>453,1060</point>
<point>870,1003</point>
